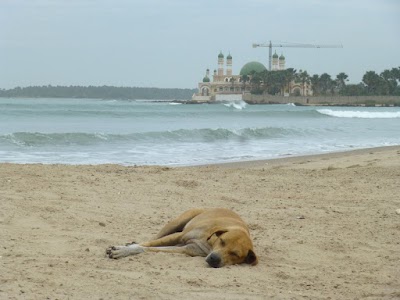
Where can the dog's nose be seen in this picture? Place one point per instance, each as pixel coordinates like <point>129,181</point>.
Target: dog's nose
<point>214,260</point>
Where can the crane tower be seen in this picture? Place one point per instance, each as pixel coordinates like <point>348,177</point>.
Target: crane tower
<point>271,45</point>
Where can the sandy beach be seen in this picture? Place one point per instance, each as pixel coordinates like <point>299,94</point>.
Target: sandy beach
<point>324,227</point>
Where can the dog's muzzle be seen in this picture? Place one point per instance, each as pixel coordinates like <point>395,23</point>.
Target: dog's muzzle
<point>214,260</point>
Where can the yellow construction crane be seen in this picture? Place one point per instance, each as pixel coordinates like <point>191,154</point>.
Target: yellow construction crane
<point>271,45</point>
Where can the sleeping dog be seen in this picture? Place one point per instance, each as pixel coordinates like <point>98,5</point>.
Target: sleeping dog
<point>218,234</point>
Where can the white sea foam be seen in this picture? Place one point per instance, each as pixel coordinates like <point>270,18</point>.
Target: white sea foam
<point>101,136</point>
<point>359,114</point>
<point>236,104</point>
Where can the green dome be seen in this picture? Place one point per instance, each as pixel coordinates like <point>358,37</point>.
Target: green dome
<point>255,66</point>
<point>229,56</point>
<point>206,79</point>
<point>275,55</point>
<point>220,55</point>
<point>281,57</point>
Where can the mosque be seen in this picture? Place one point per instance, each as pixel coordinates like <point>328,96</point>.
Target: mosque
<point>227,86</point>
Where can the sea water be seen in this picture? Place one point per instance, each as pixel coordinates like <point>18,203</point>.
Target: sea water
<point>85,131</point>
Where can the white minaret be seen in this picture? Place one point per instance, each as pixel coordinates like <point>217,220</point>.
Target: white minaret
<point>275,64</point>
<point>220,64</point>
<point>229,65</point>
<point>281,62</point>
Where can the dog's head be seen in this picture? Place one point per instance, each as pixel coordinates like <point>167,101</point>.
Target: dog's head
<point>229,247</point>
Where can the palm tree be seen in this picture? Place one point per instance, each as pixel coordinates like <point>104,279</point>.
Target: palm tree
<point>316,84</point>
<point>325,82</point>
<point>372,81</point>
<point>265,78</point>
<point>396,73</point>
<point>341,79</point>
<point>255,80</point>
<point>244,79</point>
<point>390,77</point>
<point>281,81</point>
<point>290,75</point>
<point>304,79</point>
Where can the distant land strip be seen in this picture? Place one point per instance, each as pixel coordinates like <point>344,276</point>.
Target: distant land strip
<point>185,95</point>
<point>98,92</point>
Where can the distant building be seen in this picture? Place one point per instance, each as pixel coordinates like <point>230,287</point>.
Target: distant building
<point>226,86</point>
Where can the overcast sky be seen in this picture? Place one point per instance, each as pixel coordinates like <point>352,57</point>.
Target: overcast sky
<point>170,43</point>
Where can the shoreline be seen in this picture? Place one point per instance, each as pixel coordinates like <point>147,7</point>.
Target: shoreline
<point>243,163</point>
<point>297,158</point>
<point>323,226</point>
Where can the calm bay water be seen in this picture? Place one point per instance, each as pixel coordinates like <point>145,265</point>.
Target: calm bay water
<point>83,131</point>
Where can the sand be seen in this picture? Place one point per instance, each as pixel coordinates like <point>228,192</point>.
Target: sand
<point>324,227</point>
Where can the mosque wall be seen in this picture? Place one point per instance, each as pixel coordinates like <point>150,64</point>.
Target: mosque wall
<point>323,100</point>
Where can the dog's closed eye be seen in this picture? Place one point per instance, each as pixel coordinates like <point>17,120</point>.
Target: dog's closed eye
<point>233,253</point>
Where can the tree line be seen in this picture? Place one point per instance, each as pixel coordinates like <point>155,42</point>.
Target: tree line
<point>98,92</point>
<point>387,83</point>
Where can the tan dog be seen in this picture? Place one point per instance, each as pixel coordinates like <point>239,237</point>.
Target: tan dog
<point>218,234</point>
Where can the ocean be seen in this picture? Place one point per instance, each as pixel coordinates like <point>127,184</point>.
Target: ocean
<point>87,131</point>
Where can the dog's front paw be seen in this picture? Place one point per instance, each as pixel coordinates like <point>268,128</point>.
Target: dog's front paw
<point>116,252</point>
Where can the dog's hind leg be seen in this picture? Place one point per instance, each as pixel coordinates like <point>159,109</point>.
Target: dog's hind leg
<point>179,223</point>
<point>169,236</point>
<point>168,240</point>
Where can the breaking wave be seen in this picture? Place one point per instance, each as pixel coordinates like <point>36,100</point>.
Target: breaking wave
<point>359,114</point>
<point>28,139</point>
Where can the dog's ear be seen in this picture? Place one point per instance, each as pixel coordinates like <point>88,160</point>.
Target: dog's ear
<point>251,258</point>
<point>216,234</point>
<point>220,232</point>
